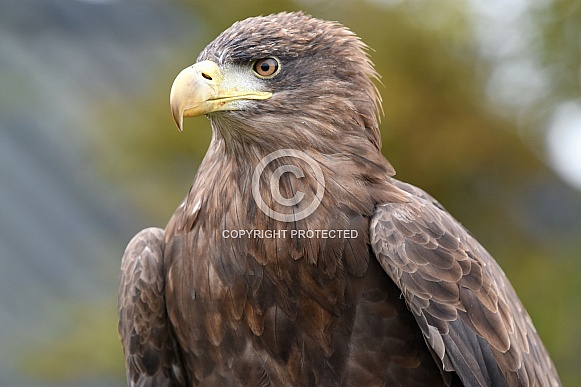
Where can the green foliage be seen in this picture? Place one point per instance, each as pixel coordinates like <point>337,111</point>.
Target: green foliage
<point>87,347</point>
<point>559,48</point>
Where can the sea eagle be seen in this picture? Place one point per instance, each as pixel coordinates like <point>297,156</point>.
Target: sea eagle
<point>296,259</point>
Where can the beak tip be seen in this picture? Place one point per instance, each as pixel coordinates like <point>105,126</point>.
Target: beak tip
<point>179,121</point>
<point>177,114</point>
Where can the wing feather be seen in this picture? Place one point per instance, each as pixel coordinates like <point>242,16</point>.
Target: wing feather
<point>151,353</point>
<point>467,310</point>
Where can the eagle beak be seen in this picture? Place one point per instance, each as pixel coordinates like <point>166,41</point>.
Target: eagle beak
<point>199,89</point>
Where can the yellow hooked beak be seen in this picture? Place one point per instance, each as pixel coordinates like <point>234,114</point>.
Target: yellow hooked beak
<point>199,89</point>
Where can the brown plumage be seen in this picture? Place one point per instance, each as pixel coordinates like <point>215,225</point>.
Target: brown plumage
<point>407,298</point>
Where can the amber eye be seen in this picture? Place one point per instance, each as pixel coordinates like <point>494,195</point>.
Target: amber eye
<point>266,67</point>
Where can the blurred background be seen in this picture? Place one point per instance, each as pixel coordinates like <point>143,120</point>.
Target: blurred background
<point>482,106</point>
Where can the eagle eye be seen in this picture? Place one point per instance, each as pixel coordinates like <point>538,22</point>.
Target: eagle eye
<point>266,67</point>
